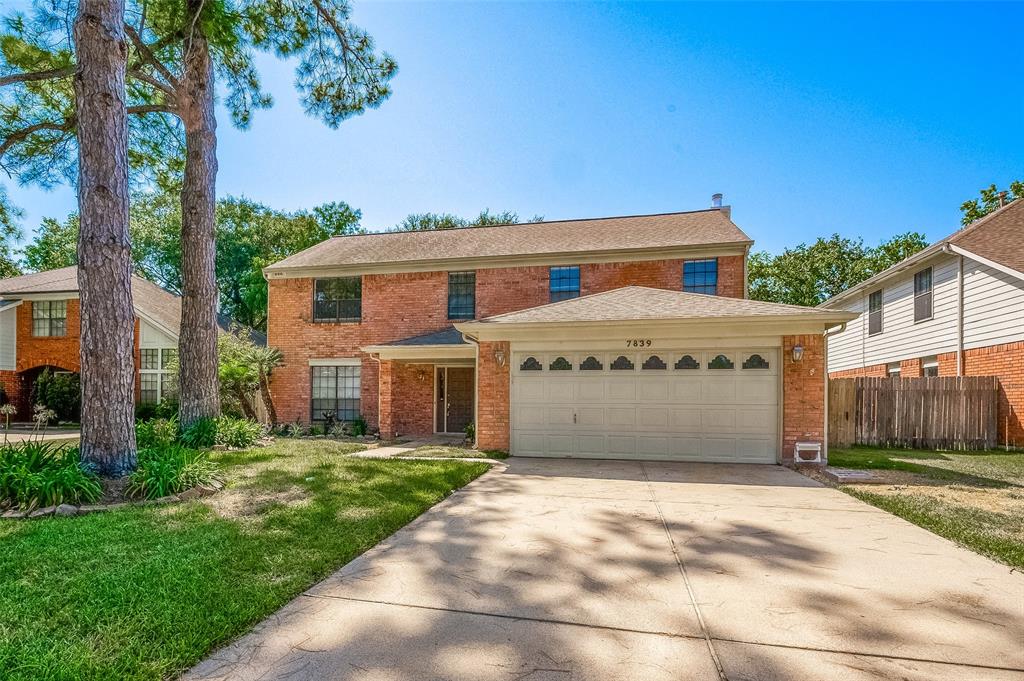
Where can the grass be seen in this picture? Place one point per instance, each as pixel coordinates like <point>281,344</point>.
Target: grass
<point>973,498</point>
<point>444,451</point>
<point>146,592</point>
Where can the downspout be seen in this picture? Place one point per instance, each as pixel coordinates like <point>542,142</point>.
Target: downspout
<point>959,309</point>
<point>828,334</point>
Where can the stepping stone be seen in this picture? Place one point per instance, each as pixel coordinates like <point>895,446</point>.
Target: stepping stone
<point>848,476</point>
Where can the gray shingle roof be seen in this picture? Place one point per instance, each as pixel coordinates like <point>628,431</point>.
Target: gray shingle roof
<point>449,336</point>
<point>639,232</point>
<point>632,303</point>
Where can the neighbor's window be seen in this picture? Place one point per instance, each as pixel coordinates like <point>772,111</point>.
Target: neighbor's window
<point>930,366</point>
<point>875,313</point>
<point>565,283</point>
<point>461,295</point>
<point>49,318</point>
<point>338,300</point>
<point>923,295</point>
<point>336,390</point>
<point>700,276</point>
<point>154,373</point>
<point>893,369</point>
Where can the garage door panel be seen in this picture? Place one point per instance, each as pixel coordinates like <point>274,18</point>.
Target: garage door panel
<point>699,414</point>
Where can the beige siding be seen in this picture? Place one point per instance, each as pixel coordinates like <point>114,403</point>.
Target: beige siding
<point>8,338</point>
<point>901,338</point>
<point>993,306</point>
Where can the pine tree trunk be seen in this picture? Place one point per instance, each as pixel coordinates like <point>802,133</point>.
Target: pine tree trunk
<point>199,389</point>
<point>104,248</point>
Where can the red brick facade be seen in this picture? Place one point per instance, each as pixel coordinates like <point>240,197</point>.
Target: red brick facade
<point>396,306</point>
<point>803,392</point>
<point>1005,361</point>
<point>492,429</point>
<point>37,352</point>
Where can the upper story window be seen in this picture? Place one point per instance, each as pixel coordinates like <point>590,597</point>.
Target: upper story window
<point>875,313</point>
<point>461,295</point>
<point>923,295</point>
<point>338,300</point>
<point>565,283</point>
<point>49,318</point>
<point>700,276</point>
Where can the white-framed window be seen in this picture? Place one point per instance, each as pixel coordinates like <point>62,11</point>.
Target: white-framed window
<point>154,373</point>
<point>930,366</point>
<point>335,390</point>
<point>49,318</point>
<point>875,312</point>
<point>892,369</point>
<point>923,295</point>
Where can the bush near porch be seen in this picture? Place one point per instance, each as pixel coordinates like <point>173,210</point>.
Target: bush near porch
<point>145,592</point>
<point>973,498</point>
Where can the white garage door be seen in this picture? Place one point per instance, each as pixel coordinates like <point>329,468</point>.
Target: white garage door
<point>684,405</point>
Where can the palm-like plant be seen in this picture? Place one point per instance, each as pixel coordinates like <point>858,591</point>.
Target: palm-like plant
<point>265,360</point>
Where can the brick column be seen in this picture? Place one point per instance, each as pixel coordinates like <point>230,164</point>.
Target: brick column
<point>910,368</point>
<point>386,385</point>
<point>803,393</point>
<point>492,427</point>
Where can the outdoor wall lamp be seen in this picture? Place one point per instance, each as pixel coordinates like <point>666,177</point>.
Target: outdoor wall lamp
<point>798,353</point>
<point>421,375</point>
<point>499,357</point>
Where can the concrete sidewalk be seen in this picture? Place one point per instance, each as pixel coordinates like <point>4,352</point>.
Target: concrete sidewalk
<point>554,569</point>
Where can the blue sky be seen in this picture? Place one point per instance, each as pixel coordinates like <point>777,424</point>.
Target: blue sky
<point>866,119</point>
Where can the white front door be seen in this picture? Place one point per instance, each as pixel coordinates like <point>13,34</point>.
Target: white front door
<point>680,405</point>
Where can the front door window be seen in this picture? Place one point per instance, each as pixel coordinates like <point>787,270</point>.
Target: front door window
<point>453,397</point>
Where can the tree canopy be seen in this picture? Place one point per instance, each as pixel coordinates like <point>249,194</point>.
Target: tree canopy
<point>810,274</point>
<point>989,201</point>
<point>427,221</point>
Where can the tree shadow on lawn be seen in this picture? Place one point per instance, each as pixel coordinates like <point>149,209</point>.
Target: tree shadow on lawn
<point>145,592</point>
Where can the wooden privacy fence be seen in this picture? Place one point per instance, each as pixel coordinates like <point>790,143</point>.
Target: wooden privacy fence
<point>948,412</point>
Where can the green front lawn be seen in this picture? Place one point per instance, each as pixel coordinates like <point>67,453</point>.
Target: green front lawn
<point>973,498</point>
<point>145,592</point>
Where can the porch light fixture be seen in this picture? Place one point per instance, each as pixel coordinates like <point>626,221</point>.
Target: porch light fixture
<point>421,375</point>
<point>798,353</point>
<point>499,357</point>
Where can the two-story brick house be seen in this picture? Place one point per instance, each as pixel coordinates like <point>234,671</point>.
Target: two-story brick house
<point>955,308</point>
<point>613,337</point>
<point>39,329</point>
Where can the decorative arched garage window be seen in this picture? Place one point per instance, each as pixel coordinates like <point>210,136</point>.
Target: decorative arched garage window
<point>687,362</point>
<point>530,364</point>
<point>721,362</point>
<point>755,362</point>
<point>654,362</point>
<point>591,364</point>
<point>561,364</point>
<point>622,363</point>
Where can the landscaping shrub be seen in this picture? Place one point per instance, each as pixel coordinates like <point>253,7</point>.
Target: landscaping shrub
<point>165,409</point>
<point>59,392</point>
<point>358,426</point>
<point>238,433</point>
<point>156,432</point>
<point>201,434</point>
<point>164,471</point>
<point>37,474</point>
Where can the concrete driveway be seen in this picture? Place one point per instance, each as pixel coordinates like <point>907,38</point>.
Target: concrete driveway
<point>556,570</point>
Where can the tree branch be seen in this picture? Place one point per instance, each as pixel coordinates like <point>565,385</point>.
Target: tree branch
<point>152,108</point>
<point>24,133</point>
<point>150,58</point>
<point>49,74</point>
<point>150,80</point>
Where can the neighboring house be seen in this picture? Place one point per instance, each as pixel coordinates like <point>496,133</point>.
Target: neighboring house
<point>39,329</point>
<point>625,337</point>
<point>954,309</point>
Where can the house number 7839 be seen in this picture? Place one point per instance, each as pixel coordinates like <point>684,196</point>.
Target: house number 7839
<point>638,343</point>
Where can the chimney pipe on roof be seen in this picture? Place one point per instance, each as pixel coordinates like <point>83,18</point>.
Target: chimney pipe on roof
<point>716,200</point>
<point>1002,198</point>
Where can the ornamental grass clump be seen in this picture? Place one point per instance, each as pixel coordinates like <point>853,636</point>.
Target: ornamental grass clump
<point>169,470</point>
<point>238,433</point>
<point>156,433</point>
<point>38,474</point>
